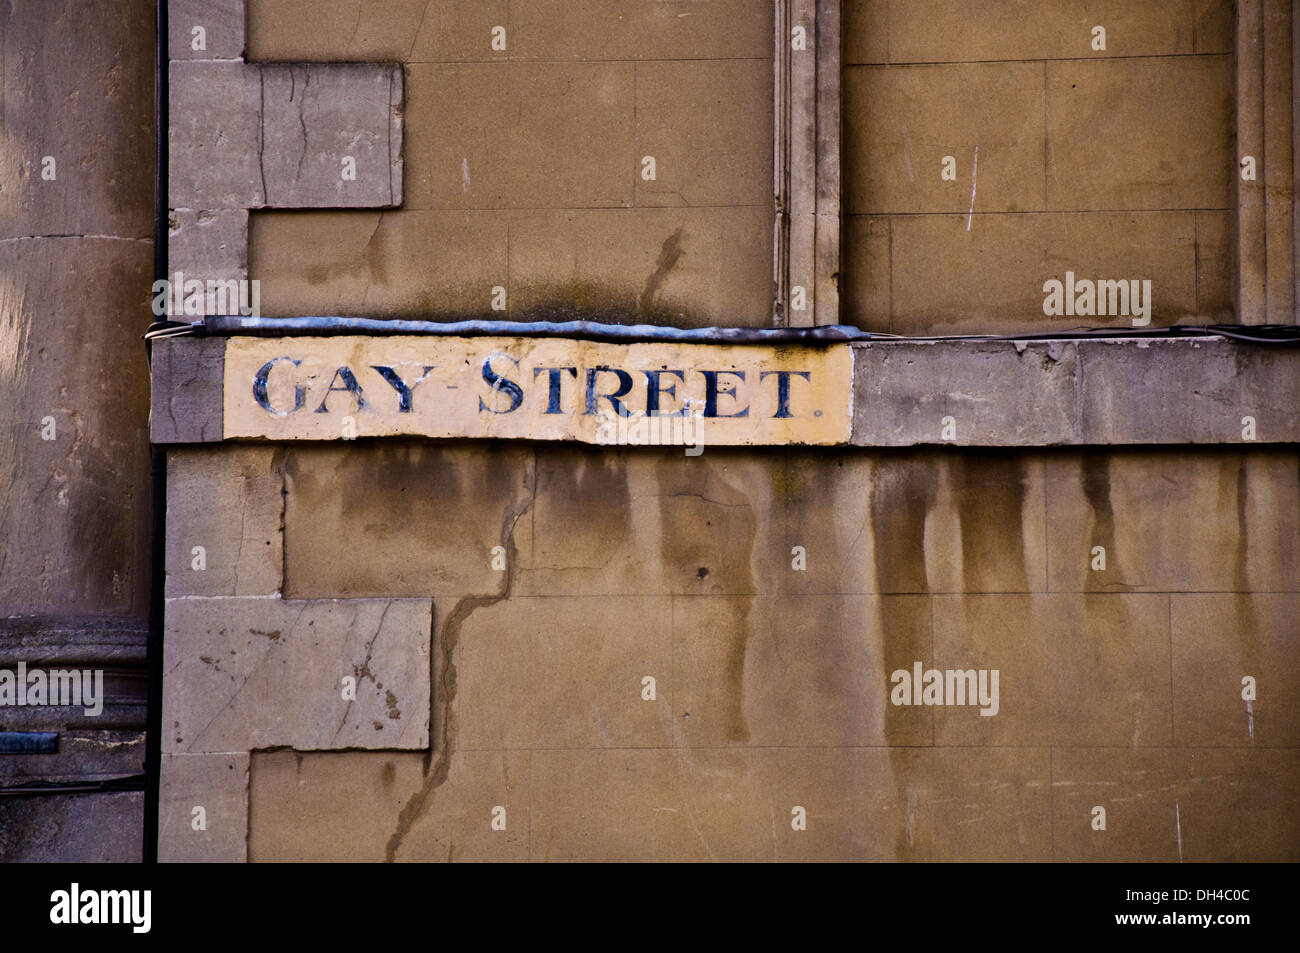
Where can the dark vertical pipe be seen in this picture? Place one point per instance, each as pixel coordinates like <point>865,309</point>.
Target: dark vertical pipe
<point>158,460</point>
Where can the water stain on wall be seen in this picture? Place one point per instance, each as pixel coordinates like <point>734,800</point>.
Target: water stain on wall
<point>1095,481</point>
<point>708,528</point>
<point>903,491</point>
<point>1244,603</point>
<point>584,519</point>
<point>989,491</point>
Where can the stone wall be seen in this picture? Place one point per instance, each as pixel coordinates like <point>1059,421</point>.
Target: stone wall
<point>76,261</point>
<point>524,166</point>
<point>1113,163</point>
<point>1119,687</point>
<point>480,649</point>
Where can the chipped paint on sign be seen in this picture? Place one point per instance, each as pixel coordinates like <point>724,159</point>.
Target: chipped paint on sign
<point>327,388</point>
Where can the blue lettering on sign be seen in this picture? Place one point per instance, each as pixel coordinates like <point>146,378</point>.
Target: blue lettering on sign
<point>721,389</point>
<point>259,388</point>
<point>500,383</point>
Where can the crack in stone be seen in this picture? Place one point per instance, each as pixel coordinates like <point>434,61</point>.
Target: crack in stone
<point>261,135</point>
<point>110,238</point>
<point>391,76</point>
<point>439,764</point>
<point>302,119</point>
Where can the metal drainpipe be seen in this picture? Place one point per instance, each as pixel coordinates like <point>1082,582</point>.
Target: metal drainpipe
<point>158,462</point>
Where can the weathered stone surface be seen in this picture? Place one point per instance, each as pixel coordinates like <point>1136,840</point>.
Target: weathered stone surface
<point>906,67</point>
<point>648,804</point>
<point>386,264</point>
<point>1240,805</point>
<point>332,30</point>
<point>521,649</point>
<point>208,246</point>
<point>1216,267</point>
<point>1171,805</point>
<point>120,708</point>
<point>331,135</point>
<point>796,671</point>
<point>898,525</point>
<point>997,394</point>
<point>866,272</point>
<point>257,672</point>
<point>1174,522</point>
<point>893,155</point>
<point>76,250</point>
<point>1073,669</point>
<point>229,502</point>
<point>709,131</point>
<point>460,501</point>
<point>74,508</point>
<point>73,829</point>
<point>217,783</point>
<point>570,141</point>
<point>861,804</point>
<point>1095,391</point>
<point>416,31</point>
<point>375,806</point>
<point>685,267</point>
<point>1221,639</point>
<point>1280,107</point>
<point>1188,391</point>
<point>1137,788</point>
<point>669,523</point>
<point>187,375</point>
<point>1183,119</point>
<point>929,31</point>
<point>611,29</point>
<point>59,640</point>
<point>78,88</point>
<point>946,278</point>
<point>222,22</point>
<point>567,162</point>
<point>325,136</point>
<point>215,150</point>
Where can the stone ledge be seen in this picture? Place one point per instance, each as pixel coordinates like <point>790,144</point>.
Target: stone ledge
<point>1037,393</point>
<point>1081,392</point>
<point>59,641</point>
<point>185,405</point>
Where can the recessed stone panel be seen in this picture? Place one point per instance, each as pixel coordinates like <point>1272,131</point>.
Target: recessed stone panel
<point>259,672</point>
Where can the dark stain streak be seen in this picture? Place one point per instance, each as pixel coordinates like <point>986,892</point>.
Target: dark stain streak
<point>903,491</point>
<point>669,255</point>
<point>990,497</point>
<point>1244,603</point>
<point>1096,489</point>
<point>717,563</point>
<point>1241,580</point>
